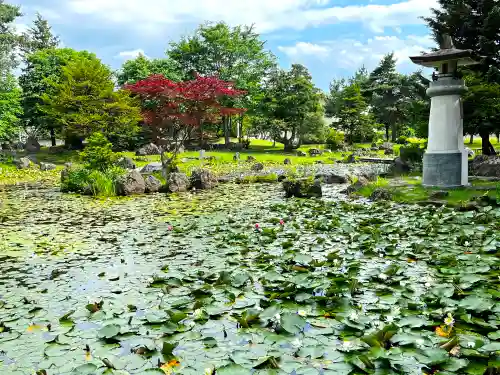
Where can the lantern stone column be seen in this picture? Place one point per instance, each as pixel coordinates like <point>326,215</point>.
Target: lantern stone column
<point>445,161</point>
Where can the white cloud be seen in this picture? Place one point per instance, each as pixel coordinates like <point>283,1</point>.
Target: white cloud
<point>127,55</point>
<point>265,14</point>
<point>351,54</point>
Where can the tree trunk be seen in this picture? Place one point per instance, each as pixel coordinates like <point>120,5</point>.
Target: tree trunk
<point>201,134</point>
<point>226,121</point>
<point>394,133</point>
<point>53,137</point>
<point>471,139</point>
<point>387,133</point>
<point>274,142</point>
<point>498,137</point>
<point>488,148</point>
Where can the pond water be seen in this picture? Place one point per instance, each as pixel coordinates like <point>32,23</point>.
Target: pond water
<point>190,285</point>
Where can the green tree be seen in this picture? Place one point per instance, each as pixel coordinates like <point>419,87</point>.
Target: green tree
<point>8,38</point>
<point>353,117</point>
<point>83,101</point>
<point>385,94</point>
<point>10,108</point>
<point>38,37</point>
<point>291,97</point>
<point>474,25</point>
<point>141,68</point>
<point>233,54</point>
<point>43,68</point>
<point>481,108</point>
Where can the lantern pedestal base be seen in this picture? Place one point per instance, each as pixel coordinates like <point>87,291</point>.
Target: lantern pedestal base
<point>444,169</point>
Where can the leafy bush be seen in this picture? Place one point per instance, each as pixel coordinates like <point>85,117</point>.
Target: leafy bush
<point>412,153</point>
<point>335,139</point>
<point>98,154</point>
<point>92,182</point>
<point>262,179</point>
<point>402,140</point>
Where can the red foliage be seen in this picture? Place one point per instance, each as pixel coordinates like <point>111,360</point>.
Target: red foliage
<point>188,103</point>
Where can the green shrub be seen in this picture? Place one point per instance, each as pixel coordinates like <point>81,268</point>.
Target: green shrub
<point>92,182</point>
<point>412,153</point>
<point>98,154</point>
<point>259,179</point>
<point>402,140</point>
<point>335,139</point>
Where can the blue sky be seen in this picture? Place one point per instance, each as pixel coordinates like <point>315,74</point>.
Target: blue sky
<point>332,38</point>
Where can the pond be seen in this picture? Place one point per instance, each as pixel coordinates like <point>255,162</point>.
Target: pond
<point>241,281</point>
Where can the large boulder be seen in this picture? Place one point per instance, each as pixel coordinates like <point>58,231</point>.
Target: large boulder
<point>302,188</point>
<point>203,179</point>
<point>250,159</point>
<point>333,178</point>
<point>399,167</point>
<point>257,167</point>
<point>301,153</point>
<point>287,161</point>
<point>152,184</point>
<point>485,166</point>
<point>130,184</point>
<point>381,194</point>
<point>149,149</point>
<point>126,163</point>
<point>23,163</point>
<point>32,145</point>
<point>177,183</point>
<point>47,166</point>
<point>351,158</point>
<point>386,146</point>
<point>314,152</point>
<point>358,185</point>
<point>152,167</point>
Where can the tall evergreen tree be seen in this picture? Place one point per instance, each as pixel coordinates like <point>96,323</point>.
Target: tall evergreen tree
<point>8,39</point>
<point>38,37</point>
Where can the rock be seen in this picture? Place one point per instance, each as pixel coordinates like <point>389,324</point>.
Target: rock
<point>236,156</point>
<point>68,165</point>
<point>152,184</point>
<point>203,179</point>
<point>126,163</point>
<point>130,184</point>
<point>177,183</point>
<point>149,149</point>
<point>33,159</point>
<point>23,163</point>
<point>386,146</point>
<point>152,167</point>
<point>381,194</point>
<point>399,167</point>
<point>302,188</point>
<point>47,166</point>
<point>257,167</point>
<point>486,166</point>
<point>327,151</point>
<point>358,185</point>
<point>374,149</point>
<point>332,178</point>
<point>374,145</point>
<point>314,152</point>
<point>287,161</point>
<point>235,146</point>
<point>440,194</point>
<point>319,162</point>
<point>351,158</point>
<point>32,145</point>
<point>250,158</point>
<point>389,152</point>
<point>301,153</point>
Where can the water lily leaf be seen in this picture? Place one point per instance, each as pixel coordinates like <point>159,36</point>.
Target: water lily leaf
<point>233,370</point>
<point>66,317</point>
<point>292,323</point>
<point>491,347</point>
<point>476,303</point>
<point>86,369</point>
<point>413,322</point>
<point>109,331</point>
<point>340,368</point>
<point>239,279</point>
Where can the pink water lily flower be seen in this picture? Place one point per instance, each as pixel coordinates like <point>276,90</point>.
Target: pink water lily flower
<point>257,226</point>
<point>282,222</point>
<point>170,227</point>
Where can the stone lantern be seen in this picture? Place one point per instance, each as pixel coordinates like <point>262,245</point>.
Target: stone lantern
<point>446,160</point>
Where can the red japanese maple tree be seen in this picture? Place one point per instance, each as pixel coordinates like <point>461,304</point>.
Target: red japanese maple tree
<point>174,109</point>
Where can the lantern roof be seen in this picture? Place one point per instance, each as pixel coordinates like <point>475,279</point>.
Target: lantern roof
<point>446,53</point>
